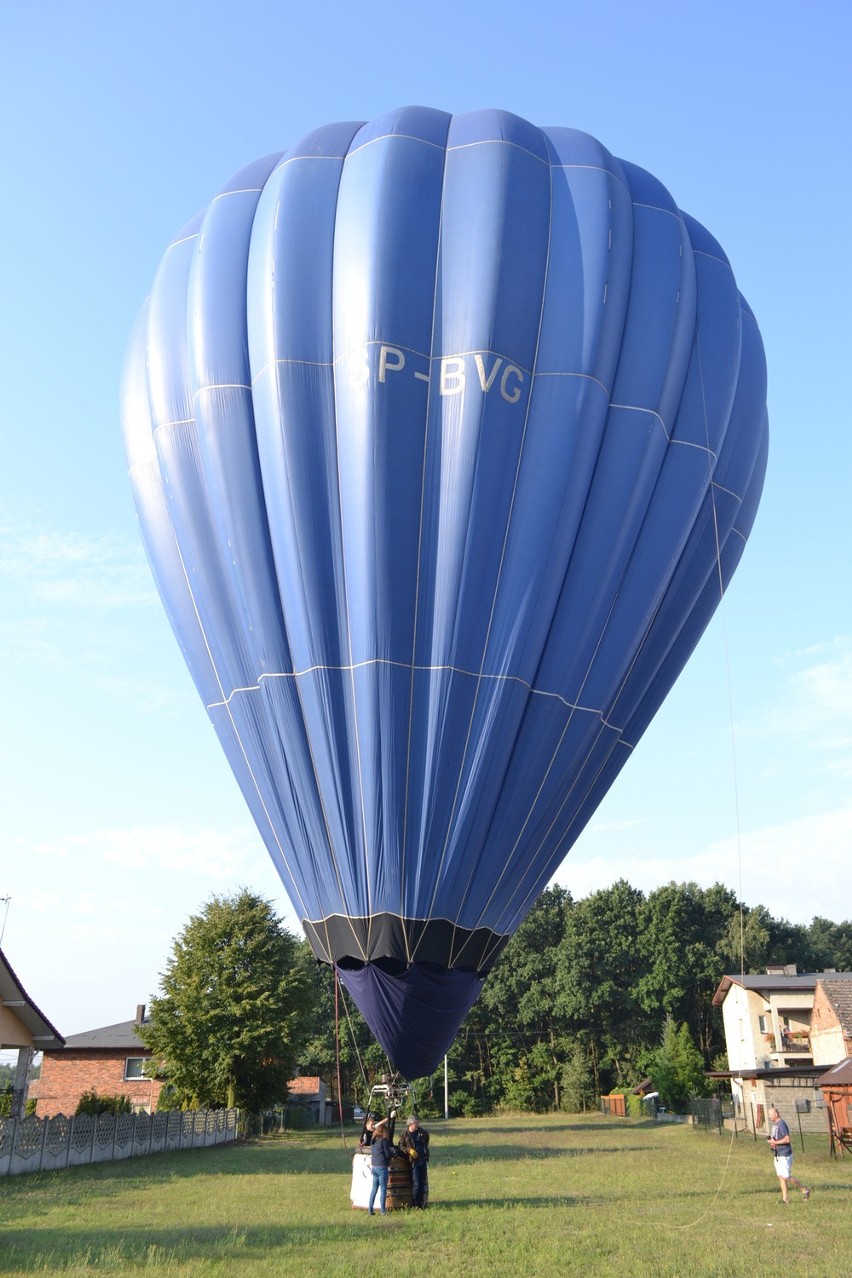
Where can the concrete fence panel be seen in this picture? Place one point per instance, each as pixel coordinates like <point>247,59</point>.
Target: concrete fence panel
<point>50,1144</point>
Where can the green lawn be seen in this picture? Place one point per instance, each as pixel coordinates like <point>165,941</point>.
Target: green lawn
<point>517,1195</point>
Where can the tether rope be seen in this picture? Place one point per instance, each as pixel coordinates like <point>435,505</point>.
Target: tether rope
<point>337,1057</point>
<point>726,648</point>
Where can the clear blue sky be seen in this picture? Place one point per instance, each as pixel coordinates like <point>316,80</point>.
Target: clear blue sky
<point>120,121</point>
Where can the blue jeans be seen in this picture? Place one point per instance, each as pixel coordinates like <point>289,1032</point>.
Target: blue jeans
<point>418,1182</point>
<point>380,1183</point>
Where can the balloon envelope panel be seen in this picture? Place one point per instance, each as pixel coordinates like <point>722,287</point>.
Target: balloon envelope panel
<point>445,433</point>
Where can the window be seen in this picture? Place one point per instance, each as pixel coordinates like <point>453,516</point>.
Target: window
<point>761,1024</point>
<point>134,1067</point>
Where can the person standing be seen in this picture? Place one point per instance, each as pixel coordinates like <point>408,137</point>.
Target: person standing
<point>414,1143</point>
<point>381,1153</point>
<point>367,1135</point>
<point>782,1150</point>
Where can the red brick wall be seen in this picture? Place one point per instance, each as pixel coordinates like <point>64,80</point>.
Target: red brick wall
<point>824,1019</point>
<point>823,1015</point>
<point>66,1075</point>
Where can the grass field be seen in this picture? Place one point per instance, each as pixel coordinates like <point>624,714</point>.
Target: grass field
<point>517,1195</point>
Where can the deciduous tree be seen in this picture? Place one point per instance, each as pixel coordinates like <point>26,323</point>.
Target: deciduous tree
<point>234,1006</point>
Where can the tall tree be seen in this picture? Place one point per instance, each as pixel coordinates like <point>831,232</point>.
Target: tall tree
<point>234,1005</point>
<point>680,928</point>
<point>745,940</point>
<point>599,971</point>
<point>832,944</point>
<point>677,1067</point>
<point>521,998</point>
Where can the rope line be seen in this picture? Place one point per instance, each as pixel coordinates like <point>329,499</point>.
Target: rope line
<point>726,648</point>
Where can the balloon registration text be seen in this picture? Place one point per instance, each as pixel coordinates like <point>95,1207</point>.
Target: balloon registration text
<point>455,373</point>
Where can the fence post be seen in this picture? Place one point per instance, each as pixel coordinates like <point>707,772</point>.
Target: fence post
<point>12,1141</point>
<point>45,1125</point>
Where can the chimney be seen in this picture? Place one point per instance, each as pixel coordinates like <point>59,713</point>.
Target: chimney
<point>140,1013</point>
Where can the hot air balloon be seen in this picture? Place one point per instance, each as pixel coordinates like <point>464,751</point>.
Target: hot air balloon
<point>445,435</point>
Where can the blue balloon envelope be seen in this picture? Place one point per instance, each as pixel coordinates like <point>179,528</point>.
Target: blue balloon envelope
<point>445,435</point>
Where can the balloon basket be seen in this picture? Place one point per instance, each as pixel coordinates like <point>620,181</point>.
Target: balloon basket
<point>399,1196</point>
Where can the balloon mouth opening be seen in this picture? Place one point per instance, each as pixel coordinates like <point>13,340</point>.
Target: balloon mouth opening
<point>394,945</point>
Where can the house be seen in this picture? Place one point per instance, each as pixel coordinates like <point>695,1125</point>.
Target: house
<point>110,1061</point>
<point>24,1027</point>
<point>771,1058</point>
<point>309,1090</point>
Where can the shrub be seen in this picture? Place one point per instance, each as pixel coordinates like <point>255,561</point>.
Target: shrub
<point>91,1103</point>
<point>677,1068</point>
<point>635,1109</point>
<point>578,1081</point>
<point>6,1094</point>
<point>463,1105</point>
<point>170,1098</point>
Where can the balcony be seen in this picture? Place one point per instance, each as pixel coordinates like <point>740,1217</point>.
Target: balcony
<point>796,1043</point>
<point>793,1042</point>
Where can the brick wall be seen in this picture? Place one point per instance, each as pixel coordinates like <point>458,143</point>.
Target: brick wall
<point>66,1075</point>
<point>828,1041</point>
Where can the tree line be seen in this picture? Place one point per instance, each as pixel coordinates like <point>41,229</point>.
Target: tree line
<point>590,996</point>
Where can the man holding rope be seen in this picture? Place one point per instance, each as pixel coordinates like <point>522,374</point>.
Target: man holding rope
<point>782,1149</point>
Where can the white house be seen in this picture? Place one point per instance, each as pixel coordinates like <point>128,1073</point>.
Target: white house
<point>767,1023</point>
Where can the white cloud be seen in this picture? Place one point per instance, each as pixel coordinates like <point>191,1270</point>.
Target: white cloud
<point>212,854</point>
<point>793,868</point>
<point>616,826</point>
<point>94,914</point>
<point>828,682</point>
<point>147,697</point>
<point>815,702</point>
<point>85,607</point>
<point>71,569</point>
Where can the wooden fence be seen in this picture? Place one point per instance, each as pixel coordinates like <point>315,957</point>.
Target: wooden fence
<point>47,1144</point>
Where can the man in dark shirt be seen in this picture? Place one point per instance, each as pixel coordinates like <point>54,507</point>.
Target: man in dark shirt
<point>782,1150</point>
<point>414,1143</point>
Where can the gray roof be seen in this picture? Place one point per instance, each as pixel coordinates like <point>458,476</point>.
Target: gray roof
<point>838,991</point>
<point>15,997</point>
<point>773,984</point>
<point>120,1037</point>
